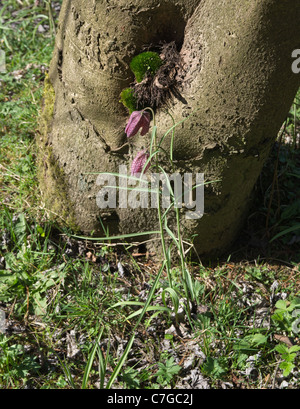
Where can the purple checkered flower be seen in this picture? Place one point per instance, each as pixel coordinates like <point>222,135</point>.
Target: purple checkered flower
<point>137,120</point>
<point>139,162</point>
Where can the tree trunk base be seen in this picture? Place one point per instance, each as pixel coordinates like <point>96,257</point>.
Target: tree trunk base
<point>237,87</point>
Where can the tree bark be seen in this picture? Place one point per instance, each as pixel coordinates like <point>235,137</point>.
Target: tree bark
<point>237,84</point>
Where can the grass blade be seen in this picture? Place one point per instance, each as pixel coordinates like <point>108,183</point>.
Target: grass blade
<point>90,361</point>
<point>117,237</point>
<point>286,231</point>
<point>130,342</point>
<point>157,308</point>
<point>174,297</point>
<point>67,372</point>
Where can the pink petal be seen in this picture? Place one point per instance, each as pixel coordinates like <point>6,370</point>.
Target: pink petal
<point>137,120</point>
<point>145,123</point>
<point>139,162</point>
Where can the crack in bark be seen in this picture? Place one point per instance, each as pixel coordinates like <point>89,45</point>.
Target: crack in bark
<point>106,148</point>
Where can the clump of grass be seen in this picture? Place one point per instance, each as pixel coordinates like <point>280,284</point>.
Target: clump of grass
<point>27,54</point>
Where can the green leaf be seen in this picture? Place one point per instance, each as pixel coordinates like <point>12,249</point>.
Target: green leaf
<point>286,231</point>
<point>190,283</point>
<point>281,305</point>
<point>130,377</point>
<point>294,348</point>
<point>40,230</point>
<point>295,302</point>
<point>282,349</point>
<point>259,339</point>
<point>174,297</point>
<point>40,304</point>
<point>167,371</point>
<point>123,303</point>
<point>67,372</point>
<point>288,357</point>
<point>20,228</point>
<point>278,316</point>
<point>250,343</point>
<point>287,368</point>
<point>5,28</point>
<point>171,234</point>
<point>151,308</point>
<point>117,237</point>
<point>214,367</point>
<point>90,361</point>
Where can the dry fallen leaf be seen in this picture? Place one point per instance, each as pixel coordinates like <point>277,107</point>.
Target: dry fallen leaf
<point>284,339</point>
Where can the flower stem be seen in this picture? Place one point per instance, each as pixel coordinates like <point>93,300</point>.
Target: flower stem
<point>180,243</point>
<point>159,210</point>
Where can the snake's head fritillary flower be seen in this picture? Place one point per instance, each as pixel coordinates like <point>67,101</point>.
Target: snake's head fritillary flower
<point>137,120</point>
<point>139,162</point>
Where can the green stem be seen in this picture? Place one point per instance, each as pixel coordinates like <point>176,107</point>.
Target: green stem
<point>159,210</point>
<point>183,267</point>
<point>160,220</point>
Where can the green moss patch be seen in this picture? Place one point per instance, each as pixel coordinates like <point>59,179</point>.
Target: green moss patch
<point>147,62</point>
<point>128,99</point>
<point>51,177</point>
<point>156,78</point>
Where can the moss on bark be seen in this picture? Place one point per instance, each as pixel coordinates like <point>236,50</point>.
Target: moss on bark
<point>51,177</point>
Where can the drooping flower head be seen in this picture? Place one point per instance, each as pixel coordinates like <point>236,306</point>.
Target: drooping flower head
<point>137,120</point>
<point>139,162</point>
